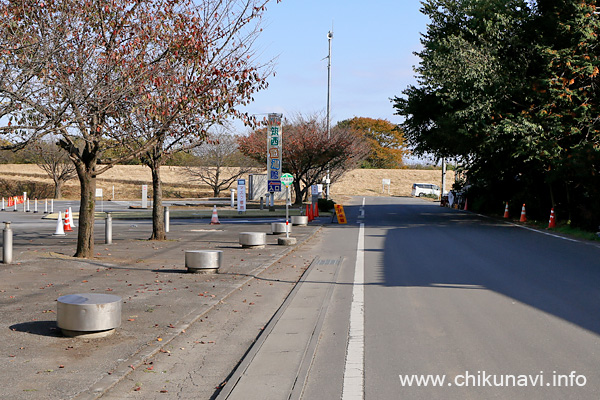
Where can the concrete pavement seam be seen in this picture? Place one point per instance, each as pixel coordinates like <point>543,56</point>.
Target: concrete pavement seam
<point>107,382</point>
<point>311,349</point>
<point>249,357</point>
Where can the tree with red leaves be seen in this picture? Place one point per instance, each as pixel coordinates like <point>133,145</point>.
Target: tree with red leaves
<point>308,153</point>
<point>81,68</point>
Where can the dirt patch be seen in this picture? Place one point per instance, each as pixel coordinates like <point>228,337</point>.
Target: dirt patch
<point>178,183</point>
<point>368,182</point>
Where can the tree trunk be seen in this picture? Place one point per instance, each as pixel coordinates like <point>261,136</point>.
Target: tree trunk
<point>85,233</point>
<point>297,192</point>
<point>158,218</point>
<point>58,189</point>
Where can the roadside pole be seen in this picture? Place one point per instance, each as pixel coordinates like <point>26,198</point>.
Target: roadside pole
<point>286,180</point>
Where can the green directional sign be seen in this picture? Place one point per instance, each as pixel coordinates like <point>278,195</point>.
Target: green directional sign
<point>287,179</point>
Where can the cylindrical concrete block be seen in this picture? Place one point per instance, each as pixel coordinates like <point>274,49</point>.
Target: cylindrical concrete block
<point>88,314</point>
<point>300,220</point>
<point>253,239</point>
<point>203,261</point>
<point>278,228</point>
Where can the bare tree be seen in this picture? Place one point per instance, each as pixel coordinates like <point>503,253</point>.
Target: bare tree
<point>55,162</point>
<point>220,162</point>
<point>214,75</point>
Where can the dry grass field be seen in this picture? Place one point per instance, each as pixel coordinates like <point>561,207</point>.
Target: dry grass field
<point>177,183</point>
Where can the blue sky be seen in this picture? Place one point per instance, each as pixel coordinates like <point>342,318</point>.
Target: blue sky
<point>372,58</point>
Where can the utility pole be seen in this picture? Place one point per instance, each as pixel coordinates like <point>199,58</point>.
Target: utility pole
<point>329,37</point>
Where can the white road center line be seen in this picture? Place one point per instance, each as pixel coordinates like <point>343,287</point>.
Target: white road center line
<point>354,374</point>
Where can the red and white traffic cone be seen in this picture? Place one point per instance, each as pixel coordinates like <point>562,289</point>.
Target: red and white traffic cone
<point>214,220</point>
<point>523,215</point>
<point>552,222</point>
<point>59,226</point>
<point>506,210</point>
<point>68,227</point>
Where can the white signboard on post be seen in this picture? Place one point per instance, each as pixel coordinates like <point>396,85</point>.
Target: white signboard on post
<point>384,183</point>
<point>241,193</point>
<point>144,196</point>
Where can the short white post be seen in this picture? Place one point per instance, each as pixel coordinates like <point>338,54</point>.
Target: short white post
<point>108,228</point>
<point>35,210</point>
<point>232,198</point>
<point>7,244</point>
<point>167,219</point>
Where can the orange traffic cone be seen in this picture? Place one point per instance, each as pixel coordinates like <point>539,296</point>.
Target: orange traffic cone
<point>309,212</point>
<point>215,217</point>
<point>466,209</point>
<point>523,216</point>
<point>316,210</point>
<point>68,227</point>
<point>506,210</point>
<point>552,222</point>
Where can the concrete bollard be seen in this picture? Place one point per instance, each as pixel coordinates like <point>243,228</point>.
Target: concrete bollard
<point>255,240</point>
<point>7,244</point>
<point>203,261</point>
<point>167,219</point>
<point>88,315</point>
<point>108,228</point>
<point>278,228</point>
<point>300,220</point>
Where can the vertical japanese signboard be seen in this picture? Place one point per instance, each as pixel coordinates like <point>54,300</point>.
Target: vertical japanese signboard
<point>241,191</point>
<point>274,136</point>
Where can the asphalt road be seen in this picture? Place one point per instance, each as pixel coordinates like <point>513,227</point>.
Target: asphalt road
<point>488,309</point>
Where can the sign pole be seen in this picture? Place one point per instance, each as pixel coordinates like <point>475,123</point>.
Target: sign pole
<point>287,214</point>
<point>286,180</point>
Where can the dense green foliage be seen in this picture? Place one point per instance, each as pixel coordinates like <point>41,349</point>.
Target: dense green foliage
<point>510,87</point>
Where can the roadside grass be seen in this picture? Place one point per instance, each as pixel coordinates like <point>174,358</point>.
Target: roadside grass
<point>562,228</point>
<point>566,229</point>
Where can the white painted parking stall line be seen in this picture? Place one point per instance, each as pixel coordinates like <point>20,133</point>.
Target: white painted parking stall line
<point>354,376</point>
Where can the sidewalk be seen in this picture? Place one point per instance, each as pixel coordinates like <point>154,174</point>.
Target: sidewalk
<point>160,300</point>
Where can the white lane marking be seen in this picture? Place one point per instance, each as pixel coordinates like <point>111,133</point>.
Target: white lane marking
<point>354,372</point>
<point>546,233</point>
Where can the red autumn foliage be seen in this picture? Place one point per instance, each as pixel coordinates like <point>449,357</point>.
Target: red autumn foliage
<point>308,152</point>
